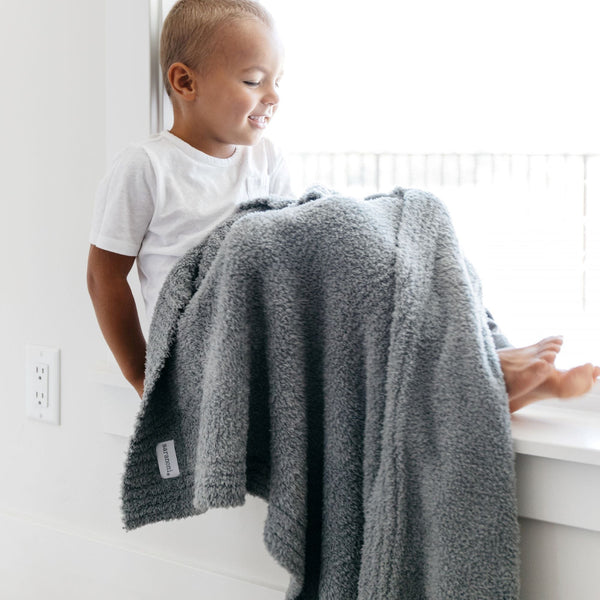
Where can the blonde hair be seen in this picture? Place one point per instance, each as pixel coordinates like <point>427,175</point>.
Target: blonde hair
<point>189,31</point>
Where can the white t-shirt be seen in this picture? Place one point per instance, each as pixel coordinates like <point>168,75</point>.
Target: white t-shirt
<point>163,196</point>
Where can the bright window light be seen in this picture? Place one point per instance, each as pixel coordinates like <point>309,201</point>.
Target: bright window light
<point>491,105</point>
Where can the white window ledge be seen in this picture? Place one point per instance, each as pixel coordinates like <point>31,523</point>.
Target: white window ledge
<point>546,429</point>
<point>558,463</point>
<point>557,452</point>
<point>558,432</point>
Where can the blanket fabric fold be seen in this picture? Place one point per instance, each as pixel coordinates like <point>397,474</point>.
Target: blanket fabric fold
<point>331,355</point>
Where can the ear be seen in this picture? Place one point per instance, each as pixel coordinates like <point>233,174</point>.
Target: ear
<point>182,80</point>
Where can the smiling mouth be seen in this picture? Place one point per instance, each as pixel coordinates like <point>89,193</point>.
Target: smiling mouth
<point>260,121</point>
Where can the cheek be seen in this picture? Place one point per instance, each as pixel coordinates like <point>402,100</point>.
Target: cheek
<point>238,104</point>
<point>246,102</point>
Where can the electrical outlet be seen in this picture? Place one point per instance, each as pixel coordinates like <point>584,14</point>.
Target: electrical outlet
<point>42,384</point>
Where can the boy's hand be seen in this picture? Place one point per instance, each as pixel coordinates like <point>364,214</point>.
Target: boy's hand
<point>139,387</point>
<point>530,374</point>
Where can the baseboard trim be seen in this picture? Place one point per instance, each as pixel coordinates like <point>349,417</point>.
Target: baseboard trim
<point>39,559</point>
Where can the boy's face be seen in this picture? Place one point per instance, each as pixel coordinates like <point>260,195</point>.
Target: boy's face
<point>237,92</point>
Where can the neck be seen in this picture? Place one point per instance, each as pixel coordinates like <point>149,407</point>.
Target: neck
<point>215,149</point>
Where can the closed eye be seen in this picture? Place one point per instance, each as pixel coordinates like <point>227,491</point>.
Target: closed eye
<point>252,83</point>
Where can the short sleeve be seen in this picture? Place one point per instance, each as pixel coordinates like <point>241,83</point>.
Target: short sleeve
<point>124,203</point>
<point>279,177</point>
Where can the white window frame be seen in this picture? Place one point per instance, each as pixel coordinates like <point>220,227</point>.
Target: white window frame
<point>135,95</point>
<point>557,449</point>
<point>133,88</point>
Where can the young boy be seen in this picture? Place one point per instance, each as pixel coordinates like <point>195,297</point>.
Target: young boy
<point>222,61</point>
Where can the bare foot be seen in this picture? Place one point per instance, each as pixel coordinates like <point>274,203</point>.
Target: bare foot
<point>530,374</point>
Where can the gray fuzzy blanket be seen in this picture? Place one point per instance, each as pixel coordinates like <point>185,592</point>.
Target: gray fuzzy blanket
<point>332,356</point>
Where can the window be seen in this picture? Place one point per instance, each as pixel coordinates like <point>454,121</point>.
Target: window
<point>490,105</point>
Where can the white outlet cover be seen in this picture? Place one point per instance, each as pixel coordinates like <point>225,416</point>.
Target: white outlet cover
<point>49,356</point>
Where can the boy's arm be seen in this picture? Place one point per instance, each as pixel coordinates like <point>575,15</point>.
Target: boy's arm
<point>116,312</point>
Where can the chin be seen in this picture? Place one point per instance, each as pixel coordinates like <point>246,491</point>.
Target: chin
<point>252,140</point>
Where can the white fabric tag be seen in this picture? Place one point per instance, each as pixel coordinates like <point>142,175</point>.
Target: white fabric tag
<point>167,459</point>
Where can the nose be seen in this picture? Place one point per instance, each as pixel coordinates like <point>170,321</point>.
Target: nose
<point>271,98</point>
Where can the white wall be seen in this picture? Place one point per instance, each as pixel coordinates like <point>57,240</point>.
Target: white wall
<point>60,528</point>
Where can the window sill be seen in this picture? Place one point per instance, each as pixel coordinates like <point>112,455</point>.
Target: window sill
<point>559,431</point>
<point>557,452</point>
<point>119,402</point>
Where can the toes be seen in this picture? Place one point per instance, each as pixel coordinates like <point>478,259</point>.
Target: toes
<point>550,342</point>
<point>576,381</point>
<point>548,355</point>
<point>548,348</point>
